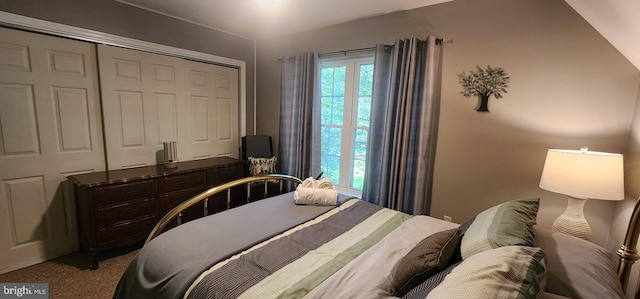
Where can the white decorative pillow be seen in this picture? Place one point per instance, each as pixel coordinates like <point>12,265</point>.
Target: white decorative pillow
<point>261,166</point>
<point>504,272</point>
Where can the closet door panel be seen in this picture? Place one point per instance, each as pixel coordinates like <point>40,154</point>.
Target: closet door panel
<point>140,95</point>
<point>50,128</point>
<point>213,113</point>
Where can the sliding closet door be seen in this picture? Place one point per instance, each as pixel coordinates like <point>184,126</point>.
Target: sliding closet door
<point>213,110</point>
<point>149,98</point>
<point>49,129</point>
<point>141,93</point>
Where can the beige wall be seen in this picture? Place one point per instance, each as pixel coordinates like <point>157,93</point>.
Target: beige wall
<point>112,17</point>
<point>623,209</point>
<point>569,88</point>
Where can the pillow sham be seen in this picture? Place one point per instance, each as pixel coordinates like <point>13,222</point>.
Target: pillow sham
<point>261,166</point>
<point>504,272</point>
<point>577,268</point>
<point>509,223</point>
<point>428,257</point>
<point>423,289</point>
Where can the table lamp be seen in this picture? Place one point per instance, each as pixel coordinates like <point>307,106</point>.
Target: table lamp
<point>170,154</point>
<point>581,175</point>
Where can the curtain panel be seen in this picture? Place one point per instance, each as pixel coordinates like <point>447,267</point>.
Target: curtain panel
<point>402,133</point>
<point>299,142</point>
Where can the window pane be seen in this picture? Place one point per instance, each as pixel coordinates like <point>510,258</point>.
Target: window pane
<point>359,155</point>
<point>364,95</point>
<point>326,82</point>
<point>366,79</point>
<point>358,174</point>
<point>332,169</point>
<point>364,112</point>
<point>339,81</point>
<point>325,110</point>
<point>330,152</point>
<point>360,144</point>
<point>337,110</point>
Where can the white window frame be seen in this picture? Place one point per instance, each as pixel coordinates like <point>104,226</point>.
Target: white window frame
<point>352,64</point>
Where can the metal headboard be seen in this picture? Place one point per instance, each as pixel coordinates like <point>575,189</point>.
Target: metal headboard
<point>176,213</point>
<point>628,253</point>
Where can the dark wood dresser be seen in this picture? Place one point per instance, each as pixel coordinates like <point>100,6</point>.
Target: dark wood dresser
<point>120,207</point>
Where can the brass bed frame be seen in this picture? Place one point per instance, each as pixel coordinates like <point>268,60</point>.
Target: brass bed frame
<point>176,213</point>
<point>627,254</point>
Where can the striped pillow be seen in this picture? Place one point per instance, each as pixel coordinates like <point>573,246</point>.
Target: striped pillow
<point>506,272</point>
<point>510,223</point>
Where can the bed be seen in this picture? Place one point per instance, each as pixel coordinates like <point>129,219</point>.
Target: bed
<point>274,248</point>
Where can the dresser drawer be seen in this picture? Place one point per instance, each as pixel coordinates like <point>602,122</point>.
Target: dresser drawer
<point>181,182</point>
<point>124,211</point>
<point>114,194</point>
<point>219,175</point>
<point>126,232</point>
<point>169,201</point>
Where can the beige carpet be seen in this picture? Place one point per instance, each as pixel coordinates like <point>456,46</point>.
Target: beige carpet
<point>70,277</point>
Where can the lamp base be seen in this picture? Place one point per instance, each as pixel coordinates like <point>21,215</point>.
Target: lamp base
<point>171,164</point>
<point>572,221</point>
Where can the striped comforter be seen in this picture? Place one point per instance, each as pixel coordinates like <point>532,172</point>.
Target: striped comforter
<point>292,264</point>
<point>346,251</point>
<point>296,262</point>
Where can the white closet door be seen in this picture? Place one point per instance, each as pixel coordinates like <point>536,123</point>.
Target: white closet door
<point>213,110</point>
<point>140,95</point>
<point>50,128</point>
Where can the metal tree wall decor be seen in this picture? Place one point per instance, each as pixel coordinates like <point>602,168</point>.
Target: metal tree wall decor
<point>484,83</point>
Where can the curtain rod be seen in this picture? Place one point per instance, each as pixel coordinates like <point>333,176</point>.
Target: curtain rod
<point>346,52</point>
<point>359,50</point>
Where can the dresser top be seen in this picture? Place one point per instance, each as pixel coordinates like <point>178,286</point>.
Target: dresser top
<point>139,173</point>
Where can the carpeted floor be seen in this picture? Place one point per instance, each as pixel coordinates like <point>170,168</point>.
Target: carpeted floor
<point>69,276</point>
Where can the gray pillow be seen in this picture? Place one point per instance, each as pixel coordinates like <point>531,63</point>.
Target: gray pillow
<point>509,223</point>
<point>577,268</point>
<point>427,258</point>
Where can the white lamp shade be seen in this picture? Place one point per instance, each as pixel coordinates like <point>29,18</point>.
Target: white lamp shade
<point>584,174</point>
<point>170,150</point>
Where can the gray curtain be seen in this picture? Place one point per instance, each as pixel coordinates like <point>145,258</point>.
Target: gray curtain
<point>299,143</point>
<point>402,133</point>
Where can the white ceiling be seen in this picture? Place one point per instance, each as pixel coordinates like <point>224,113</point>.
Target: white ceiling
<point>617,20</point>
<point>257,19</point>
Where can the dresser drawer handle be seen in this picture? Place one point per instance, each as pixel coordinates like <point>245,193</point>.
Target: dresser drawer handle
<point>127,192</point>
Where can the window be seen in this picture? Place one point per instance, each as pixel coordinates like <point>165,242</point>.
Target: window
<point>345,95</point>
